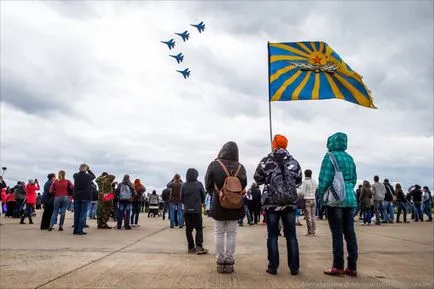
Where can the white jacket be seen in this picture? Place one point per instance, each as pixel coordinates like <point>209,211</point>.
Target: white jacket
<point>307,189</point>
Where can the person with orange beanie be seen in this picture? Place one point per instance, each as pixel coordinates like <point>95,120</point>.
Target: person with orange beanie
<point>281,174</point>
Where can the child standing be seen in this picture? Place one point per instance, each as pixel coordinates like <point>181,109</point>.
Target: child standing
<point>193,198</point>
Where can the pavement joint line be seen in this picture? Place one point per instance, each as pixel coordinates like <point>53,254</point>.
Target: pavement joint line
<point>99,259</point>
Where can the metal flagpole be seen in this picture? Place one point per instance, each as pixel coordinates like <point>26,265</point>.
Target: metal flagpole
<point>269,100</point>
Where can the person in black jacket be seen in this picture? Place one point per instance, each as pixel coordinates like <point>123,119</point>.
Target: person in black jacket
<point>165,196</point>
<point>388,200</point>
<point>225,219</point>
<point>47,202</point>
<point>277,205</point>
<point>82,196</point>
<point>401,203</point>
<point>94,201</point>
<point>193,198</point>
<point>255,203</point>
<point>416,195</point>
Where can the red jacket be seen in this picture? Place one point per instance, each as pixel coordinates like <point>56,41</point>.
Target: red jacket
<point>3,195</point>
<point>60,188</point>
<point>31,193</point>
<point>10,198</point>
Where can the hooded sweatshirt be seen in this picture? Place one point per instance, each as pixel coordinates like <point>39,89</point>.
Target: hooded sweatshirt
<point>192,193</point>
<point>337,144</point>
<point>215,176</point>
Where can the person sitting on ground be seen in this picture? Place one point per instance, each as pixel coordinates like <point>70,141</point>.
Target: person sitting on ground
<point>281,174</point>
<point>193,198</point>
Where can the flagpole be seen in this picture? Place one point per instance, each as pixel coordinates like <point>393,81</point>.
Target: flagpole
<point>269,101</point>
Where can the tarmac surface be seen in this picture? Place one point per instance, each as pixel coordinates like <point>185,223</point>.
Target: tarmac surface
<point>155,256</point>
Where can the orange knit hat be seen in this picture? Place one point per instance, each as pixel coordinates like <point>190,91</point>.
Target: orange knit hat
<point>279,142</point>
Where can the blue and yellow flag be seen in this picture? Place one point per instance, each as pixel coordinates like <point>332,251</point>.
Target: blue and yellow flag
<point>313,71</point>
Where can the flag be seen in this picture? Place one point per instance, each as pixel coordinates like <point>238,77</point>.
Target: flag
<point>313,71</point>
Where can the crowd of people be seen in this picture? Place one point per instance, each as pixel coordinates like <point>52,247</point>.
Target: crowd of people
<point>224,197</point>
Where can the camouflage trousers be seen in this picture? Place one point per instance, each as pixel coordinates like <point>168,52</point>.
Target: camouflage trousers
<point>103,212</point>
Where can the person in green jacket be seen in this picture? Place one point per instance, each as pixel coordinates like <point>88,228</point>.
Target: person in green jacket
<point>341,217</point>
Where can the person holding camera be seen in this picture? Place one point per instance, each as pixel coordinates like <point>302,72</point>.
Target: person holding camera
<point>82,194</point>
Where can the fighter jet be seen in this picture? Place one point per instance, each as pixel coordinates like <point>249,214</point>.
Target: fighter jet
<point>200,26</point>
<point>170,43</point>
<point>185,35</point>
<point>179,57</point>
<point>185,73</point>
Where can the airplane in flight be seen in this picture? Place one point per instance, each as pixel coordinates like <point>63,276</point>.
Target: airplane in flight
<point>170,43</point>
<point>185,72</point>
<point>200,26</point>
<point>185,35</point>
<point>179,57</point>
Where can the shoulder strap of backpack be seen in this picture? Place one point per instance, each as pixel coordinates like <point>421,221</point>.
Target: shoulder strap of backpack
<point>334,162</point>
<point>238,170</point>
<point>223,167</point>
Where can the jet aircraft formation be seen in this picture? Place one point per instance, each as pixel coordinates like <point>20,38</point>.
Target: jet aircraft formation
<point>184,36</point>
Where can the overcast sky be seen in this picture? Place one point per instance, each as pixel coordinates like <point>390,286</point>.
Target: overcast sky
<point>91,82</point>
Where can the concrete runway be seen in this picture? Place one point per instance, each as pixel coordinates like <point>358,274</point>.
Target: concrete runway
<point>154,256</point>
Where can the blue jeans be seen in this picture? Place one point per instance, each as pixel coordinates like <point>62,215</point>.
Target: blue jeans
<point>172,208</point>
<point>166,210</point>
<point>246,213</point>
<point>367,216</point>
<point>92,209</point>
<point>288,220</point>
<point>124,212</point>
<point>418,213</point>
<point>402,207</point>
<point>388,207</point>
<point>136,206</point>
<point>80,215</point>
<point>60,206</point>
<point>341,223</point>
<point>379,206</point>
<point>427,206</point>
